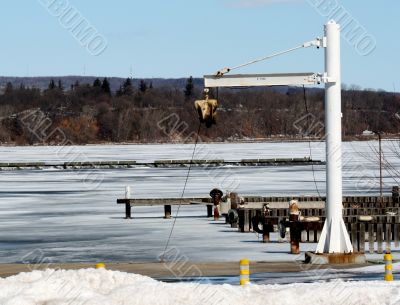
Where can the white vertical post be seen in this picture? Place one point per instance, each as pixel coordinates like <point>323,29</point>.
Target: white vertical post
<point>334,237</point>
<point>127,192</point>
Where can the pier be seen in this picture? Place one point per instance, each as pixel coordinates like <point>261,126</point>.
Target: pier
<point>159,163</point>
<point>369,219</point>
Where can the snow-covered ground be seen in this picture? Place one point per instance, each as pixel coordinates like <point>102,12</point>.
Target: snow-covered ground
<point>111,287</point>
<point>72,215</point>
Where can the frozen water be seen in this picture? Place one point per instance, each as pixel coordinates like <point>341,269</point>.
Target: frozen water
<point>72,215</point>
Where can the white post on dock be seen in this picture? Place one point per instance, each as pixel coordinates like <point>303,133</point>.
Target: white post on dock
<point>127,192</point>
<point>334,237</point>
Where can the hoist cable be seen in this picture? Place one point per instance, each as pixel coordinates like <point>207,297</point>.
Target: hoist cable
<point>183,193</point>
<point>309,141</point>
<point>226,70</point>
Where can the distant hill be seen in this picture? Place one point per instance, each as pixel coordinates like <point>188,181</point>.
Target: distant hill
<point>42,82</point>
<point>165,113</point>
<point>115,82</point>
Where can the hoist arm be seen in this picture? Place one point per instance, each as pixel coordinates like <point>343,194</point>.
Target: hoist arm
<point>253,80</point>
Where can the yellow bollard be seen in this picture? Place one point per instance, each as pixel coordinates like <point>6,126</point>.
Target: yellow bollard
<point>388,267</point>
<point>244,272</point>
<point>100,266</point>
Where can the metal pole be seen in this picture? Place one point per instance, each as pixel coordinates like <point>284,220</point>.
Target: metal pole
<point>334,237</point>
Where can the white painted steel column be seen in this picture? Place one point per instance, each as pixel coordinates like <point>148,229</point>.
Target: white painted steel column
<point>334,237</point>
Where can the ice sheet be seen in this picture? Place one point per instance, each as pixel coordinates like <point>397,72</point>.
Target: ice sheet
<point>73,216</point>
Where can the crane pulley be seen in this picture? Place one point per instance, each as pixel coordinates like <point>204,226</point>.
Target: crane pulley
<point>207,110</point>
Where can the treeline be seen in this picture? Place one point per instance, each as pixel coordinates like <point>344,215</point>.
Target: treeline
<point>144,113</point>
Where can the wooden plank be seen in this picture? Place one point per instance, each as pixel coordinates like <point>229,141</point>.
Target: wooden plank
<point>165,201</point>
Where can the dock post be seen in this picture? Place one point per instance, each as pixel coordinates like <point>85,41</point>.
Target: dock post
<point>216,212</point>
<point>295,230</point>
<point>216,195</point>
<point>295,236</point>
<point>128,210</point>
<point>167,211</point>
<point>209,210</point>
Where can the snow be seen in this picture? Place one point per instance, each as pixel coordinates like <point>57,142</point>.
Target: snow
<point>93,287</point>
<point>72,215</point>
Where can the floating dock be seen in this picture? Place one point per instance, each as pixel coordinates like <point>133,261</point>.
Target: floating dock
<point>159,163</point>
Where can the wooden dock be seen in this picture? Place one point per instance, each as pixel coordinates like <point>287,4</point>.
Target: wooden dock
<point>159,163</point>
<point>369,219</point>
<point>372,220</point>
<point>167,203</point>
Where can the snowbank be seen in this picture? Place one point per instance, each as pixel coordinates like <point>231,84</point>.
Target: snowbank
<point>95,287</point>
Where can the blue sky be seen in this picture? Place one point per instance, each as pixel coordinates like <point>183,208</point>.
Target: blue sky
<point>179,38</point>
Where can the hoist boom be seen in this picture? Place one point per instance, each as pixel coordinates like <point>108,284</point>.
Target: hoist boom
<point>255,80</point>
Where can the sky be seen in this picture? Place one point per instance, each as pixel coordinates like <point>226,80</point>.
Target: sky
<point>182,38</point>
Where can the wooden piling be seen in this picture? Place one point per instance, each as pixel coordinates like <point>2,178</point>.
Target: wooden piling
<point>216,212</point>
<point>128,211</point>
<point>379,237</point>
<point>303,236</point>
<point>361,238</point>
<point>353,231</point>
<point>246,224</point>
<point>388,237</point>
<point>241,220</point>
<point>209,211</point>
<point>167,211</point>
<point>295,235</point>
<point>371,238</point>
<point>396,235</point>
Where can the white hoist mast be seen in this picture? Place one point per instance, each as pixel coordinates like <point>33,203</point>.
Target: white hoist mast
<point>334,237</point>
